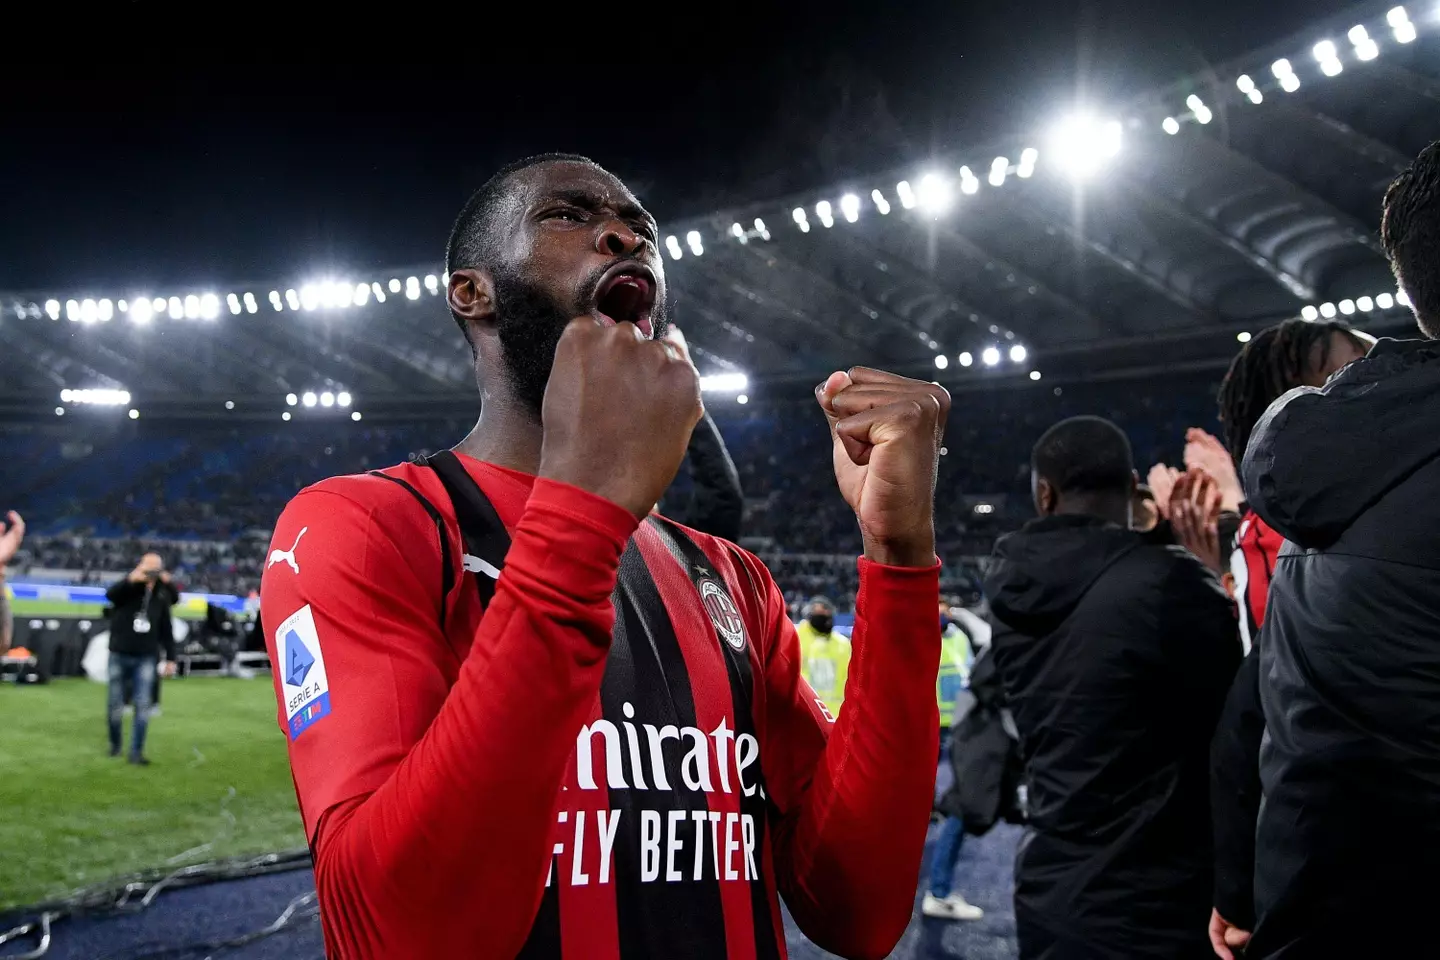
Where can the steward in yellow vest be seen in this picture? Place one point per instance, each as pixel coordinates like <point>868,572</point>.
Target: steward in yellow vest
<point>824,654</point>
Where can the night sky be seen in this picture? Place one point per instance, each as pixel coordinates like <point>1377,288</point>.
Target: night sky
<point>114,175</point>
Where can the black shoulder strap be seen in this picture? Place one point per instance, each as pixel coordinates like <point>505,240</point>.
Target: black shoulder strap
<point>447,581</point>
<point>485,538</point>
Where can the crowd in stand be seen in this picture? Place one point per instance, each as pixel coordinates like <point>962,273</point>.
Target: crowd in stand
<point>208,496</point>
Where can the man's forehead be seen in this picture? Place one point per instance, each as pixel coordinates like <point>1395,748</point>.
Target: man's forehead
<point>557,177</point>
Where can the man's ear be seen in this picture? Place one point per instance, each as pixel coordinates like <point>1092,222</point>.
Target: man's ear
<point>1045,498</point>
<point>471,297</point>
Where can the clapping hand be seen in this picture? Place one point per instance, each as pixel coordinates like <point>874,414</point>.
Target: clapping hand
<point>1203,451</point>
<point>12,534</point>
<point>1195,504</point>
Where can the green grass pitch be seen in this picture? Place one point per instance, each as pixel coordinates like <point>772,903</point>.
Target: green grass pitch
<point>77,817</point>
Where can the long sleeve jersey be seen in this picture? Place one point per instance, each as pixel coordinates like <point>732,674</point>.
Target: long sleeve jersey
<point>616,757</point>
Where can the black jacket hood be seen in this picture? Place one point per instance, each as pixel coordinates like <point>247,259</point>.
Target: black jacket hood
<point>1043,571</point>
<point>1319,458</point>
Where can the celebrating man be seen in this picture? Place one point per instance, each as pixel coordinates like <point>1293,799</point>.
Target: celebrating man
<point>529,719</point>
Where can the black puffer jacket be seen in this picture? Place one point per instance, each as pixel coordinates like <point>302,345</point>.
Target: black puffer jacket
<point>1348,844</point>
<point>1116,654</point>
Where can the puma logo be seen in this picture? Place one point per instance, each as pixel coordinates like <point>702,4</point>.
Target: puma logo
<point>287,556</point>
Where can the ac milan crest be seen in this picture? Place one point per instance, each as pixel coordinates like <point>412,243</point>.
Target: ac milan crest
<point>723,613</point>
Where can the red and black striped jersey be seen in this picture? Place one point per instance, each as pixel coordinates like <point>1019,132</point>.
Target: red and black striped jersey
<point>1252,564</point>
<point>615,756</point>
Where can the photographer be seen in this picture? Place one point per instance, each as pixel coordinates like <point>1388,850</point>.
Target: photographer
<point>140,632</point>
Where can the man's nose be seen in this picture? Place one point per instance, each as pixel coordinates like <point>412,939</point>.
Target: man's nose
<point>616,239</point>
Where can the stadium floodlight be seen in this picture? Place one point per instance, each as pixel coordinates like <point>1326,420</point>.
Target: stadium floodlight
<point>724,383</point>
<point>104,310</point>
<point>1358,35</point>
<point>906,195</point>
<point>192,307</point>
<point>229,404</point>
<point>969,183</point>
<point>1368,50</point>
<point>1194,102</point>
<point>1402,298</point>
<point>96,397</point>
<point>1170,125</point>
<point>1281,68</point>
<point>309,296</point>
<point>309,399</point>
<point>250,305</point>
<point>378,292</point>
<point>432,283</point>
<point>59,411</point>
<point>362,293</point>
<point>672,243</point>
<point>825,213</point>
<point>692,240</point>
<point>412,288</point>
<point>87,311</point>
<point>394,284</point>
<point>291,399</point>
<point>762,229</point>
<point>1256,97</point>
<point>1308,312</point>
<point>1243,336</point>
<point>134,414</point>
<point>1327,310</point>
<point>1017,354</point>
<point>52,309</point>
<point>1028,158</point>
<point>1289,83</point>
<point>850,207</point>
<point>881,204</point>
<point>1364,304</point>
<point>801,221</point>
<point>1397,16</point>
<point>742,399</point>
<point>1384,301</point>
<point>355,416</point>
<point>1332,68</point>
<point>285,416</point>
<point>342,398</point>
<point>934,194</point>
<point>991,356</point>
<point>1405,32</point>
<point>1325,50</point>
<point>1034,374</point>
<point>233,302</point>
<point>998,168</point>
<point>327,399</point>
<point>1082,144</point>
<point>941,361</point>
<point>209,306</point>
<point>966,360</point>
<point>738,232</point>
<point>1347,307</point>
<point>1244,84</point>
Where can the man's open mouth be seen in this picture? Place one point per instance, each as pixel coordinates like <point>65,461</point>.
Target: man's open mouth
<point>627,295</point>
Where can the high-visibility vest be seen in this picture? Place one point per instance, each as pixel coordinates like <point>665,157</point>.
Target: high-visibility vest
<point>825,663</point>
<point>954,671</point>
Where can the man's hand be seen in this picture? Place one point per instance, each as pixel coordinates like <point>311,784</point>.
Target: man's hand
<point>886,431</point>
<point>1206,453</point>
<point>167,668</point>
<point>1195,516</point>
<point>1162,483</point>
<point>618,413</point>
<point>1225,937</point>
<point>12,534</point>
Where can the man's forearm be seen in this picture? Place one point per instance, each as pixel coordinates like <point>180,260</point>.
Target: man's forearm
<point>853,852</point>
<point>487,773</point>
<point>7,621</point>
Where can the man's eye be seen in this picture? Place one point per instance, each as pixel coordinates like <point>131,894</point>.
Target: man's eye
<point>574,216</point>
<point>645,230</point>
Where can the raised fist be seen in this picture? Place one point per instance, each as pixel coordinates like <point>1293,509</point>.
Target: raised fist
<point>618,413</point>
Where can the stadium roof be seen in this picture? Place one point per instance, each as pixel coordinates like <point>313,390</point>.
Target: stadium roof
<point>1211,208</point>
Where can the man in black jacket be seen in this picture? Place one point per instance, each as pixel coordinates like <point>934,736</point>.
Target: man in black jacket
<point>717,505</point>
<point>1347,851</point>
<point>140,631</point>
<point>1115,654</point>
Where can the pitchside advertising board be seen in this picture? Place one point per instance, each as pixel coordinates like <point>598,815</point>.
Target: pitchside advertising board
<point>51,600</point>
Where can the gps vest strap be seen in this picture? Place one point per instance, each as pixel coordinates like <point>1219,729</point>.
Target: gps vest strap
<point>447,572</point>
<point>481,531</point>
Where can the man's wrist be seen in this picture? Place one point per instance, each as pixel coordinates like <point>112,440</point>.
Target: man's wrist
<point>912,553</point>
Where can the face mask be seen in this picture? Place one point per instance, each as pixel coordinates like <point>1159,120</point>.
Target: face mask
<point>822,622</point>
<point>944,622</point>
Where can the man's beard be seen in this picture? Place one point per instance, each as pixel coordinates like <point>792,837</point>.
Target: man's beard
<point>529,323</point>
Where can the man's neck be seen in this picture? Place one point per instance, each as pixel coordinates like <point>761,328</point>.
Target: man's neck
<point>507,435</point>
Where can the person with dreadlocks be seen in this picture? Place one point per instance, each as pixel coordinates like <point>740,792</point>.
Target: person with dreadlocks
<point>1292,354</point>
<point>1347,845</point>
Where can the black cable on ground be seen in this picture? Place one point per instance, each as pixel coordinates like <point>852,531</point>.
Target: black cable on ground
<point>133,893</point>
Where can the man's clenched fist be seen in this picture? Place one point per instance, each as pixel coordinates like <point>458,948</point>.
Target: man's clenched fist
<point>618,413</point>
<point>887,431</point>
